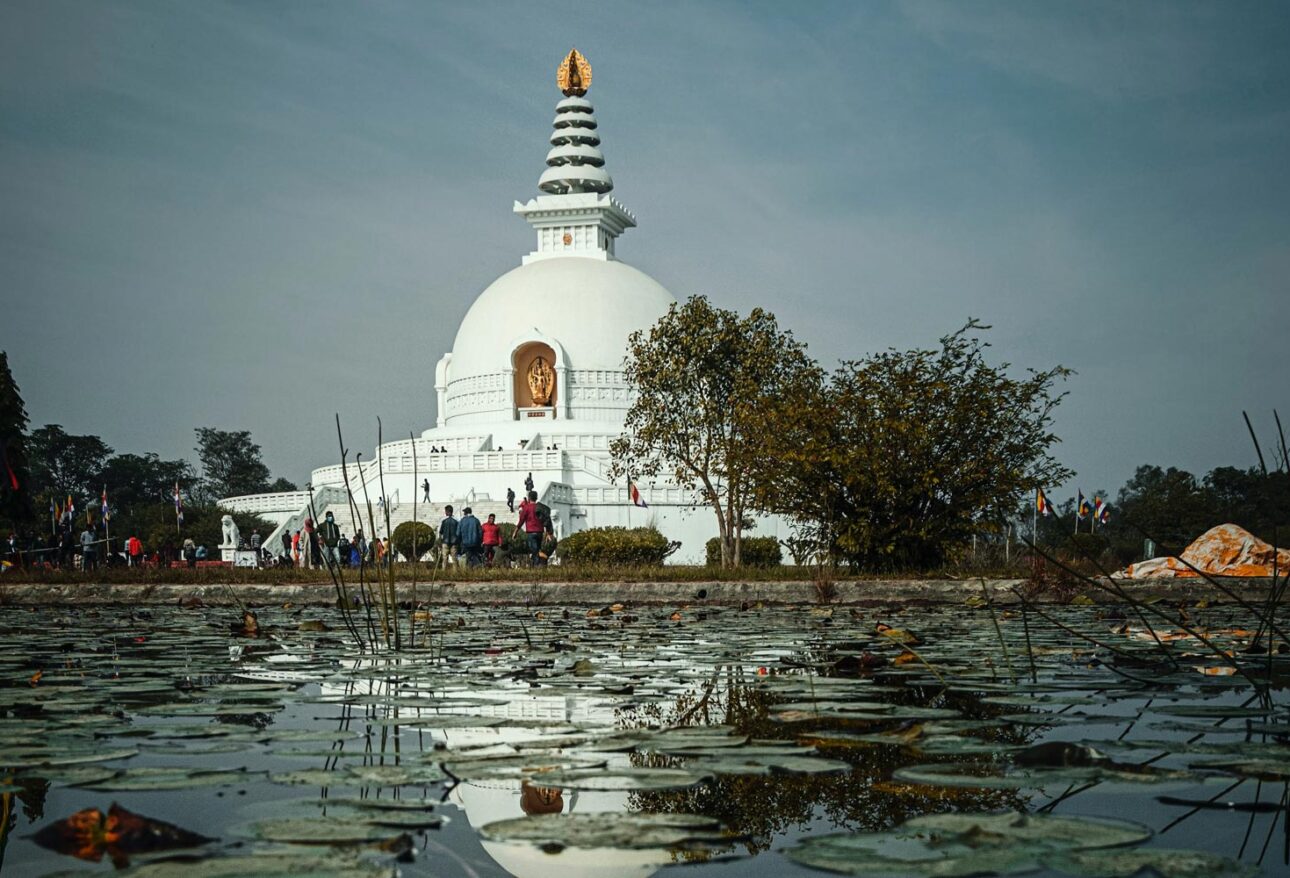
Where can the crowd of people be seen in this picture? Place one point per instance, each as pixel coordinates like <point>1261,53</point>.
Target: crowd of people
<point>461,541</point>
<point>478,544</point>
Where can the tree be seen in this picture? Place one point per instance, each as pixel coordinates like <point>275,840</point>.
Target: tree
<point>15,487</point>
<point>702,377</point>
<point>281,485</point>
<point>231,464</point>
<point>63,463</point>
<point>135,481</point>
<point>902,456</point>
<point>1170,505</point>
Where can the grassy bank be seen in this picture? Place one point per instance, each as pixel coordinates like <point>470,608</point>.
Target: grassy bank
<point>422,573</point>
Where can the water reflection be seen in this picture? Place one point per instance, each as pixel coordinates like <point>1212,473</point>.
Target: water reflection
<point>779,725</point>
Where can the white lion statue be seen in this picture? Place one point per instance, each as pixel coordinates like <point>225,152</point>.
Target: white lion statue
<point>232,538</point>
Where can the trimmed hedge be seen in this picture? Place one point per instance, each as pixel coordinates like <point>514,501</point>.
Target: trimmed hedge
<point>402,539</point>
<point>753,552</point>
<point>614,547</point>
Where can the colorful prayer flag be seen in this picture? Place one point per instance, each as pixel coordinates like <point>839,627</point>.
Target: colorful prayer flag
<point>635,494</point>
<point>104,507</point>
<point>1042,504</point>
<point>1104,514</point>
<point>179,504</point>
<point>1081,506</point>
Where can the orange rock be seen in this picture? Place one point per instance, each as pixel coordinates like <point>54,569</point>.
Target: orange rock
<point>1226,550</point>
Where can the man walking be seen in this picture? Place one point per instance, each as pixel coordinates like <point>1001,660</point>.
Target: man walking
<point>531,525</point>
<point>425,490</point>
<point>134,548</point>
<point>528,484</point>
<point>510,499</point>
<point>449,538</point>
<point>471,535</point>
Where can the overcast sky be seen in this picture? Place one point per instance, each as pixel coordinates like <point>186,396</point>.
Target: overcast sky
<point>252,215</point>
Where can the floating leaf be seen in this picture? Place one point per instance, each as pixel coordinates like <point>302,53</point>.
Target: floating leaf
<point>1051,830</point>
<point>628,831</point>
<point>144,779</point>
<point>325,831</point>
<point>89,834</point>
<point>1149,861</point>
<point>611,779</point>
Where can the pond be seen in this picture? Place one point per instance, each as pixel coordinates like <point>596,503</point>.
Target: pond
<point>621,741</point>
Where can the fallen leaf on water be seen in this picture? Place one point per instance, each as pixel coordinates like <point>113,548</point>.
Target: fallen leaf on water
<point>35,678</point>
<point>89,834</point>
<point>1215,670</point>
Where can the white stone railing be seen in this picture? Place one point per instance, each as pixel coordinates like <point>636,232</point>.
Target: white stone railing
<point>257,504</point>
<point>334,475</point>
<point>439,462</point>
<point>613,496</point>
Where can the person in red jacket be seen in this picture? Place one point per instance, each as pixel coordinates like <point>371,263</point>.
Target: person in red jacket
<point>492,538</point>
<point>134,548</point>
<point>531,525</point>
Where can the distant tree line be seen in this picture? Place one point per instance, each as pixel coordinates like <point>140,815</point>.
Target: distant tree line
<point>1172,507</point>
<point>46,465</point>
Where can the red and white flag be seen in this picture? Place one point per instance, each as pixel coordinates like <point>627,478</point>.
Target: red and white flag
<point>635,494</point>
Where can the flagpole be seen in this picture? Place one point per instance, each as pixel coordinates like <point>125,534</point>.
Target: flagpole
<point>1034,520</point>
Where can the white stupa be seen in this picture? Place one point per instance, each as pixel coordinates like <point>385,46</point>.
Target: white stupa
<point>534,383</point>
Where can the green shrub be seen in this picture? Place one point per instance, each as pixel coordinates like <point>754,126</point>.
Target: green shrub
<point>753,552</point>
<point>614,547</point>
<point>402,539</point>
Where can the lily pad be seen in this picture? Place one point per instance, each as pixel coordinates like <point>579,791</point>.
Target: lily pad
<point>988,775</point>
<point>154,779</point>
<point>626,831</point>
<point>1052,830</point>
<point>253,866</point>
<point>960,845</point>
<point>323,830</point>
<point>611,779</point>
<point>1153,861</point>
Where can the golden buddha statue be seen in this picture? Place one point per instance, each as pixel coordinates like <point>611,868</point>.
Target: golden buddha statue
<point>541,380</point>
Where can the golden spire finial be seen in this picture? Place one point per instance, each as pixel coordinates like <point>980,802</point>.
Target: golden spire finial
<point>574,75</point>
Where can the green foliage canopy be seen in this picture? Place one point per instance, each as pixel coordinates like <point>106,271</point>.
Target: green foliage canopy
<point>904,455</point>
<point>703,378</point>
<point>15,503</point>
<point>231,464</point>
<point>63,463</point>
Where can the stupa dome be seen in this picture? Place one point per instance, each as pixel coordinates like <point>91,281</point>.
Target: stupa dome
<point>583,308</point>
<point>590,306</point>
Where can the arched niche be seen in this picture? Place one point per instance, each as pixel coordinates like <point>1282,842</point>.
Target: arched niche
<point>536,358</point>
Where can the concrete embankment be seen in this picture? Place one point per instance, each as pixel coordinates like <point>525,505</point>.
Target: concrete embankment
<point>852,592</point>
